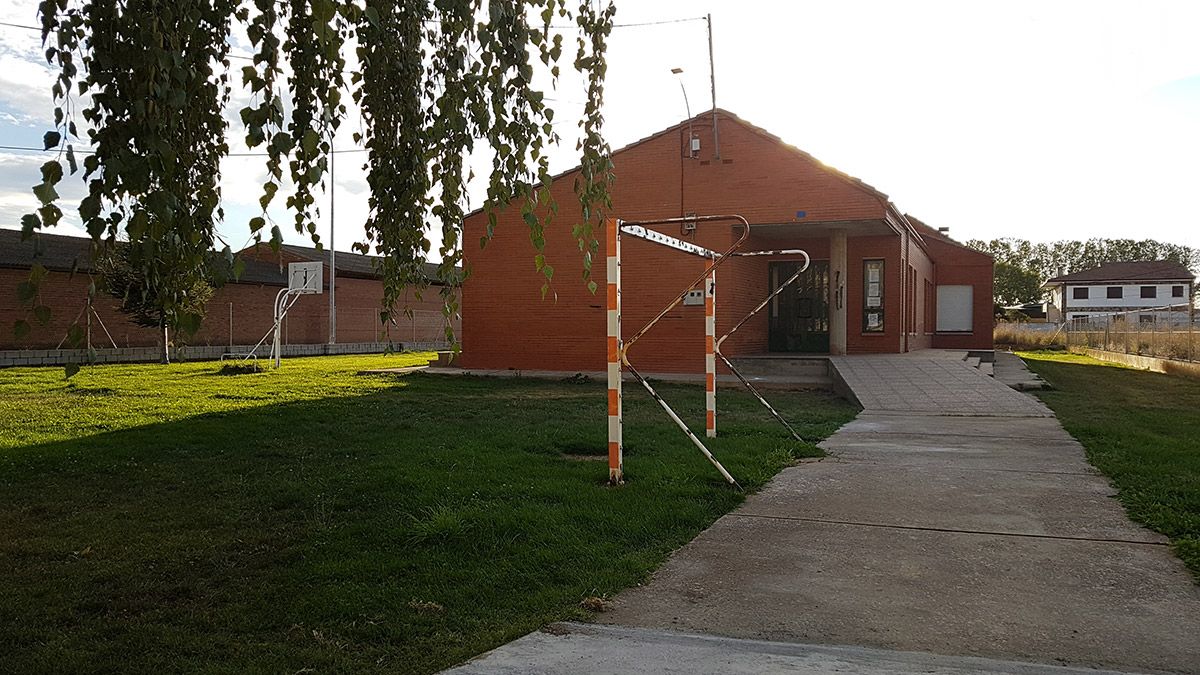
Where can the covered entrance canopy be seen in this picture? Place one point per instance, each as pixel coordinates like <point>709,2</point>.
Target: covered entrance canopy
<point>816,315</point>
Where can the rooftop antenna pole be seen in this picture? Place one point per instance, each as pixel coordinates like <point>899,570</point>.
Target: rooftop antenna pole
<point>712,78</point>
<point>332,266</point>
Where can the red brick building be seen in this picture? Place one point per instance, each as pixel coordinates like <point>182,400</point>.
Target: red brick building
<point>880,281</point>
<point>240,312</point>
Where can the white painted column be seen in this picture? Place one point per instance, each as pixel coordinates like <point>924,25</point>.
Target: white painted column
<point>838,302</point>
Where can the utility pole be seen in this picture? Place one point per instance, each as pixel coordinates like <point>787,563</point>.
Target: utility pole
<point>332,261</point>
<point>712,78</point>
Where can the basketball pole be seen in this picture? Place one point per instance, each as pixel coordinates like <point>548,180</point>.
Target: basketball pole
<point>332,261</point>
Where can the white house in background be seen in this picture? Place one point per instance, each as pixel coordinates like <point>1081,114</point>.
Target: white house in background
<point>1139,288</point>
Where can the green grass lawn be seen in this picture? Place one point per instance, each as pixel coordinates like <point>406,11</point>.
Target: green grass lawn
<point>1142,430</point>
<point>169,518</point>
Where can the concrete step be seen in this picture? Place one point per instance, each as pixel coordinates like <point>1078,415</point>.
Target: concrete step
<point>785,372</point>
<point>987,368</point>
<point>782,367</point>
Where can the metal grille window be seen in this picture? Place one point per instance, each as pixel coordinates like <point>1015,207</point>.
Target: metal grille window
<point>1114,293</point>
<point>1149,291</point>
<point>1080,293</point>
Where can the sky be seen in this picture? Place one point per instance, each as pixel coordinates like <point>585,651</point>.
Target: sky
<point>1039,120</point>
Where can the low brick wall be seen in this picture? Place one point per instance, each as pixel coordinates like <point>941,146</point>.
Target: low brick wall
<point>1151,363</point>
<point>58,357</point>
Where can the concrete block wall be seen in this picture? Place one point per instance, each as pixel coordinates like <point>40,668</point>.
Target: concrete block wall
<point>58,357</point>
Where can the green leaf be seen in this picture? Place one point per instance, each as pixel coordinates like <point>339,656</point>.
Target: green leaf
<point>257,223</point>
<point>71,159</point>
<point>45,193</point>
<point>51,140</point>
<point>75,335</point>
<point>26,292</point>
<point>52,172</point>
<point>21,328</point>
<point>70,370</point>
<point>29,224</point>
<point>137,225</point>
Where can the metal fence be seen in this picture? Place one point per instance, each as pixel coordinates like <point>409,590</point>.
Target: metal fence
<point>238,324</point>
<point>1168,332</point>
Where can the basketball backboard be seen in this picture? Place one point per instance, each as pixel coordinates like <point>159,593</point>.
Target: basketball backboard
<point>305,277</point>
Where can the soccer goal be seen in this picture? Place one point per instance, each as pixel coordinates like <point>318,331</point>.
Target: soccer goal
<point>618,348</point>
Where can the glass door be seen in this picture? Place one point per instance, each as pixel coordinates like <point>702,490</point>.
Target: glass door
<point>799,316</point>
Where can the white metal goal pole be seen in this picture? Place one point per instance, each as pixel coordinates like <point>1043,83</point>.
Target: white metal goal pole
<point>710,356</point>
<point>728,364</point>
<point>616,449</point>
<point>638,229</point>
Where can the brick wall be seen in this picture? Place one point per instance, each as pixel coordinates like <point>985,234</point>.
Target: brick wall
<point>506,324</point>
<point>247,306</point>
<point>958,265</point>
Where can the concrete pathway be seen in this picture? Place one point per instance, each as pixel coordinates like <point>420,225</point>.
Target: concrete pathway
<point>931,382</point>
<point>954,516</point>
<point>589,648</point>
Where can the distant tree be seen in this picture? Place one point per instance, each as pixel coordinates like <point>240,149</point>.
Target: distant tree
<point>1022,266</point>
<point>1015,285</point>
<point>177,310</point>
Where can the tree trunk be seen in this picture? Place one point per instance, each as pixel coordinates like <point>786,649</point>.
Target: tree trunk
<point>166,342</point>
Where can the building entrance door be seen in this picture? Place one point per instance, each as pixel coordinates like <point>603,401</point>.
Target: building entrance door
<point>799,316</point>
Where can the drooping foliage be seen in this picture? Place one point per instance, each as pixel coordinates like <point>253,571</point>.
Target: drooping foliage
<point>124,280</point>
<point>433,78</point>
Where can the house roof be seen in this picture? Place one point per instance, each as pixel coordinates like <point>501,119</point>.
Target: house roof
<point>898,218</point>
<point>349,264</point>
<point>65,253</point>
<point>1141,270</point>
<point>58,252</point>
<point>930,232</point>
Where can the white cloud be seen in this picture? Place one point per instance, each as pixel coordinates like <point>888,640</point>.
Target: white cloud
<point>1033,119</point>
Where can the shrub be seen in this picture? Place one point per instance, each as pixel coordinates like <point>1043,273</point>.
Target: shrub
<point>1027,336</point>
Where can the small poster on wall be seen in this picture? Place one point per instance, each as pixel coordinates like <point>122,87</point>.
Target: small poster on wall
<point>873,310</point>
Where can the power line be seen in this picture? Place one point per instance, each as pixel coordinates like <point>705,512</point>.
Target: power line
<point>85,151</point>
<point>17,25</point>
<point>638,24</point>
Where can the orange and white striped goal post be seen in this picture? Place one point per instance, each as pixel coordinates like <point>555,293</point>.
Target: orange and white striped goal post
<point>616,448</point>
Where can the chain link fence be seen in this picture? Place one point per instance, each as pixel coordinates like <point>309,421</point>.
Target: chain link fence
<point>1167,332</point>
<point>236,324</point>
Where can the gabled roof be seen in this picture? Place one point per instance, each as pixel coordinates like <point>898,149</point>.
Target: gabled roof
<point>707,116</point>
<point>1141,270</point>
<point>348,264</point>
<point>65,253</point>
<point>930,232</point>
<point>58,251</point>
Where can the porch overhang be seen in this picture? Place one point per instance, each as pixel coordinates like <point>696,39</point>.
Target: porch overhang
<point>782,232</point>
